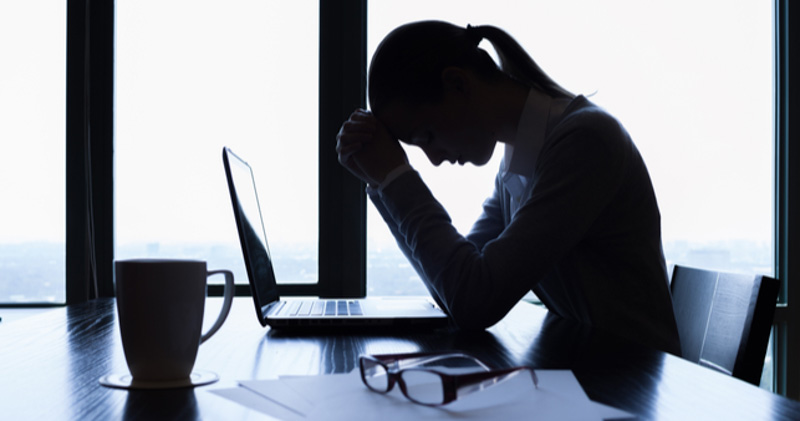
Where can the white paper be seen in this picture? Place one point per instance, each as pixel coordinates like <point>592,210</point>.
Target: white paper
<point>512,399</point>
<point>258,403</point>
<point>336,396</point>
<point>278,391</point>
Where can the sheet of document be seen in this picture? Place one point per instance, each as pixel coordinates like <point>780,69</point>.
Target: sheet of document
<point>558,397</point>
<point>254,401</point>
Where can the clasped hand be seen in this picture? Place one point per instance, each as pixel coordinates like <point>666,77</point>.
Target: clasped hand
<point>367,149</point>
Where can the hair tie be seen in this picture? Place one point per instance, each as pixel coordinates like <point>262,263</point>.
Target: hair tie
<point>472,35</point>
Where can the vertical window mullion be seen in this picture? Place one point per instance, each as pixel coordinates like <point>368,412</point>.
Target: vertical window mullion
<point>342,212</point>
<point>89,133</point>
<point>786,197</point>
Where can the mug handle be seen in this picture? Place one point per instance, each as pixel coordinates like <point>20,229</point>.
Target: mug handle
<point>226,303</point>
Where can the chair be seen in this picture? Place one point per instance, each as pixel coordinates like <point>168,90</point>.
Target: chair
<point>724,319</point>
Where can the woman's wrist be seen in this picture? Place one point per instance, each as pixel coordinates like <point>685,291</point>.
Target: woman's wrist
<point>393,175</point>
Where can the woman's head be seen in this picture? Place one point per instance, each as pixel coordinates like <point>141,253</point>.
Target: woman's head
<point>432,87</point>
<point>408,64</point>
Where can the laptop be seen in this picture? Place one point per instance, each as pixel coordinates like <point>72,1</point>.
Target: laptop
<point>316,313</point>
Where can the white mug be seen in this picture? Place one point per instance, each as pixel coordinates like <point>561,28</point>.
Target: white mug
<point>160,304</point>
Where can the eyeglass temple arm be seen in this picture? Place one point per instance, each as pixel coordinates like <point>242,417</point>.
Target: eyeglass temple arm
<point>419,358</point>
<point>464,384</point>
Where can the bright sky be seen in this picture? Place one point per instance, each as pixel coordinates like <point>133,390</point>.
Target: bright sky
<point>32,121</point>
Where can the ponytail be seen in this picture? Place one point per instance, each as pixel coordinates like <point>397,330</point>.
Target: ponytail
<point>515,61</point>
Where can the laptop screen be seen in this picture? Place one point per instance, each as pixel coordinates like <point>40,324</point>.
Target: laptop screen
<point>252,233</point>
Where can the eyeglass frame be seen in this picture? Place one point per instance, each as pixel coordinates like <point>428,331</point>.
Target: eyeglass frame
<point>451,383</point>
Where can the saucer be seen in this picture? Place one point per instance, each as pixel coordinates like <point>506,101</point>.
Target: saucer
<point>126,381</point>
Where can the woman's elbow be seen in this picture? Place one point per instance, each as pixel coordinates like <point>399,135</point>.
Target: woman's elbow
<point>473,317</point>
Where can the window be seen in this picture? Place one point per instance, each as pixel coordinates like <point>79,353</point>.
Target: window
<point>195,77</point>
<point>32,165</point>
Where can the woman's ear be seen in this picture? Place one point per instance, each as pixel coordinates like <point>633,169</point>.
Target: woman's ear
<point>456,79</point>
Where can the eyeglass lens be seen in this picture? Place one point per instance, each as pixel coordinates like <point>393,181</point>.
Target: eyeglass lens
<point>375,375</point>
<point>423,386</point>
<point>420,386</point>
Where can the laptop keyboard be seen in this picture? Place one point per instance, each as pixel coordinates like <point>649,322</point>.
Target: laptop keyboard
<point>325,308</point>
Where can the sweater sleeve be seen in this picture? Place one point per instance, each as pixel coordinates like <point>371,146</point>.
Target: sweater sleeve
<point>450,265</point>
<point>375,197</point>
<point>491,222</point>
<point>577,176</point>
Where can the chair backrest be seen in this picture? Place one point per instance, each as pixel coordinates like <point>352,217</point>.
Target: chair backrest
<point>724,319</point>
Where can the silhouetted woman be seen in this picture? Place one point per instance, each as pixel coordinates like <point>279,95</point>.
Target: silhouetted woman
<point>573,215</point>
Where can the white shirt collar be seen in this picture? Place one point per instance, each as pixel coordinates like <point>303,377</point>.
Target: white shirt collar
<point>521,155</point>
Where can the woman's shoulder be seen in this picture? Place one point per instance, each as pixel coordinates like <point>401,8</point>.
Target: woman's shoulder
<point>583,112</point>
<point>586,126</point>
<point>584,119</point>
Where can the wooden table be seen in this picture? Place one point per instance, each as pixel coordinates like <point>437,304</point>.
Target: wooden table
<point>50,365</point>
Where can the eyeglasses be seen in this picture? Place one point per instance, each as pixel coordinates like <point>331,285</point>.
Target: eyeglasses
<point>427,386</point>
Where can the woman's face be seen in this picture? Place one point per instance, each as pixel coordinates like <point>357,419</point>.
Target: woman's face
<point>450,131</point>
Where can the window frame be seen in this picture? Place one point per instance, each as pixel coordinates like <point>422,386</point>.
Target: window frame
<point>342,200</point>
<point>90,194</point>
<point>787,235</point>
<point>342,204</point>
<point>89,150</point>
